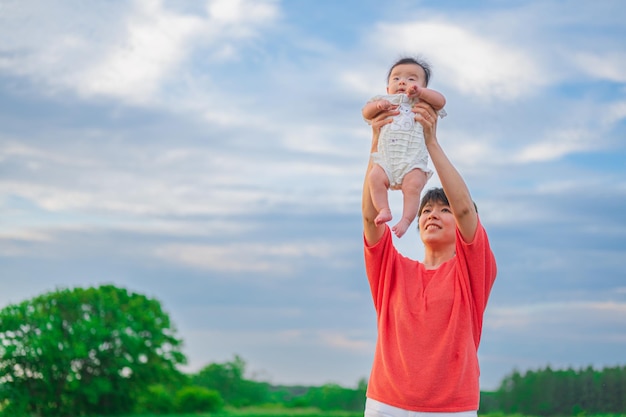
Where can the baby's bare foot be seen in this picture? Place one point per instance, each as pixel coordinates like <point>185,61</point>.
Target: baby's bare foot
<point>401,228</point>
<point>384,215</point>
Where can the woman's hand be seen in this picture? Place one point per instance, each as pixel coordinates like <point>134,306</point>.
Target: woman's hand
<point>380,120</point>
<point>427,117</point>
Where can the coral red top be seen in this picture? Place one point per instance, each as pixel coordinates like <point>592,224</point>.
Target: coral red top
<point>429,325</point>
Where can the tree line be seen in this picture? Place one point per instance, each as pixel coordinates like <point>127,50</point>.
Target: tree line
<point>548,392</point>
<point>228,382</point>
<point>109,351</point>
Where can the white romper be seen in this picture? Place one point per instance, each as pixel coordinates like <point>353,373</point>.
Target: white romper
<point>401,146</point>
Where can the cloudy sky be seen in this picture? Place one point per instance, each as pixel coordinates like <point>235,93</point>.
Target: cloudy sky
<point>210,154</point>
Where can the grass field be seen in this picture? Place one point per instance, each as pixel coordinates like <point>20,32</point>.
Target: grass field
<point>310,412</point>
<point>264,412</point>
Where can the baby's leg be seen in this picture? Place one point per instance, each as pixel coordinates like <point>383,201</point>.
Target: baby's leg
<point>412,185</point>
<point>379,183</point>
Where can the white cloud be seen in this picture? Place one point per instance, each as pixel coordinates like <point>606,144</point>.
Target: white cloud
<point>35,157</point>
<point>610,66</point>
<point>128,54</point>
<point>474,64</point>
<point>555,145</point>
<point>51,42</point>
<point>243,12</point>
<point>562,314</point>
<point>156,43</point>
<point>247,257</point>
<point>53,198</point>
<point>25,235</point>
<point>135,182</point>
<point>15,243</point>
<point>615,113</point>
<point>470,150</point>
<point>345,342</point>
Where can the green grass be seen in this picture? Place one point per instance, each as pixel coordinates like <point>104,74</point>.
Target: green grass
<point>265,412</point>
<point>308,412</point>
<point>286,412</point>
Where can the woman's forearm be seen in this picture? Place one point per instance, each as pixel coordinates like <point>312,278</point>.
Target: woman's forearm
<point>453,184</point>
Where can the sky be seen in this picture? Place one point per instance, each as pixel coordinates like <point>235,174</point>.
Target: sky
<point>210,154</point>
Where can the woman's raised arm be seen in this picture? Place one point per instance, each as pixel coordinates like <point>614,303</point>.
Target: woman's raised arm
<point>454,186</point>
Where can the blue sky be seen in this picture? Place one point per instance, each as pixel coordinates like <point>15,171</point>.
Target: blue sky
<point>210,154</point>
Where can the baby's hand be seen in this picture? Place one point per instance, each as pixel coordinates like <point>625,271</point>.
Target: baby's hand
<point>413,91</point>
<point>383,105</point>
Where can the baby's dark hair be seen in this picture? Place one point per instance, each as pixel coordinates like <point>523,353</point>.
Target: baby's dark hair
<point>412,60</point>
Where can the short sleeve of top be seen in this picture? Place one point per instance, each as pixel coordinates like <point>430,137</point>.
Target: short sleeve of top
<point>429,325</point>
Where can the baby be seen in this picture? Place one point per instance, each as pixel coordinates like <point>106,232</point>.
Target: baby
<point>401,159</point>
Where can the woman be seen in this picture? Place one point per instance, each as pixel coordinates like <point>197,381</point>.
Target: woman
<point>429,313</point>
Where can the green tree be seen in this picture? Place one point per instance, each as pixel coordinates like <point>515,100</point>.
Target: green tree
<point>335,397</point>
<point>546,392</point>
<point>198,400</point>
<point>228,379</point>
<point>84,351</point>
<point>156,399</point>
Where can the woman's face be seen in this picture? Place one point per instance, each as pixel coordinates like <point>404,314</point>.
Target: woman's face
<point>437,224</point>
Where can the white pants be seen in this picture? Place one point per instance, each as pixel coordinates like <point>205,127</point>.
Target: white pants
<point>375,408</point>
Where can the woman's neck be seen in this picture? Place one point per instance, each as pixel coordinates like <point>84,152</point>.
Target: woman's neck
<point>433,258</point>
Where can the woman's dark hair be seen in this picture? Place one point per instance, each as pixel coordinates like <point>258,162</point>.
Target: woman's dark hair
<point>433,196</point>
<point>417,61</point>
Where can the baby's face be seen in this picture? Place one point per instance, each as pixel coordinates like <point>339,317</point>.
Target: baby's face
<point>405,76</point>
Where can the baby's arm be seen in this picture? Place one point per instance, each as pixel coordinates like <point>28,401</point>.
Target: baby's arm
<point>432,97</point>
<point>373,108</point>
